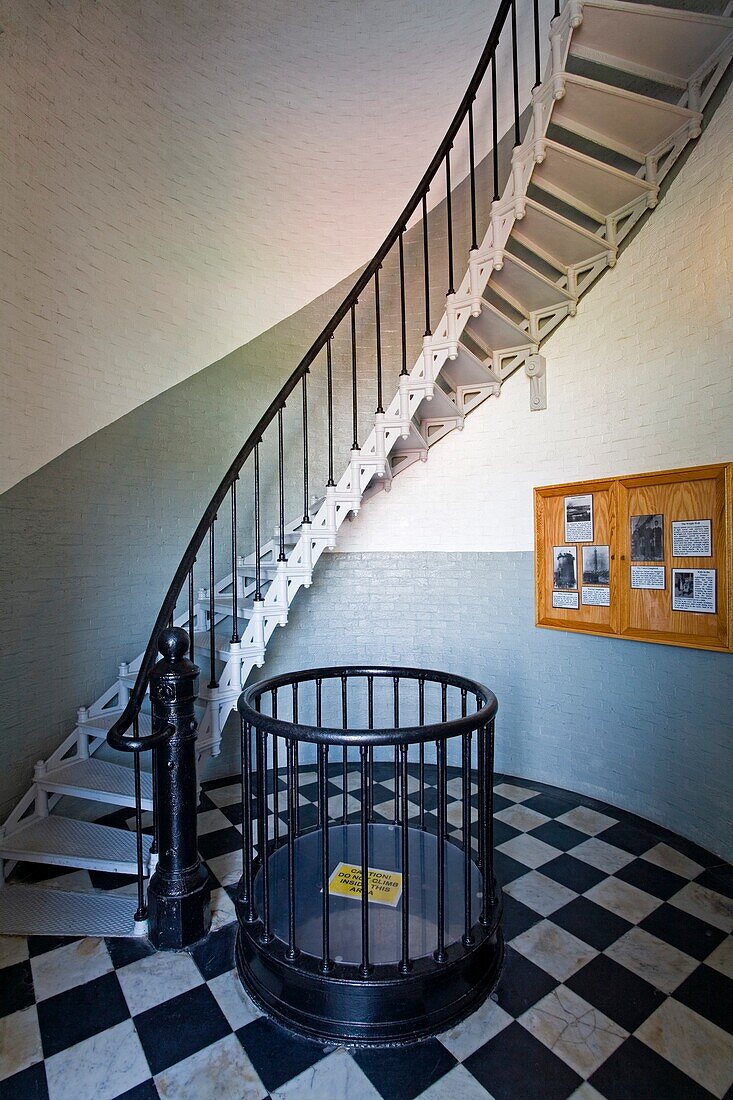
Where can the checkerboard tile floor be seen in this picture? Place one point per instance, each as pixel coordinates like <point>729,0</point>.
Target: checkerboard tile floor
<point>618,980</point>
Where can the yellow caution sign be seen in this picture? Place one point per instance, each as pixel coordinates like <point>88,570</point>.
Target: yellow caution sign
<point>385,887</point>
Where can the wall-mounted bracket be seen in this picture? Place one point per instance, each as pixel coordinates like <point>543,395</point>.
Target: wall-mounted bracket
<point>535,369</point>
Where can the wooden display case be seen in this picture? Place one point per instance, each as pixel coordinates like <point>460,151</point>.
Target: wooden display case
<point>699,497</point>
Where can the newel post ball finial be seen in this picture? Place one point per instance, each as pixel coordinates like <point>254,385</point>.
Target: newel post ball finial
<point>173,643</point>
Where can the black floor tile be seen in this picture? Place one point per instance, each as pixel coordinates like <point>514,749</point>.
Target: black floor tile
<point>39,945</point>
<point>16,987</point>
<point>618,993</point>
<point>78,1013</point>
<point>688,848</point>
<point>507,869</point>
<point>214,955</point>
<point>551,805</point>
<point>629,838</point>
<point>517,917</point>
<point>514,1064</point>
<point>502,832</point>
<point>179,1027</point>
<point>521,984</point>
<point>591,923</point>
<point>559,835</point>
<point>573,873</point>
<point>144,1091</point>
<point>710,994</point>
<point>219,843</point>
<point>122,951</point>
<point>107,880</point>
<point>232,813</point>
<point>685,932</point>
<point>399,1075</point>
<point>655,880</point>
<point>718,878</point>
<point>276,1054</point>
<point>634,1072</point>
<point>29,1084</point>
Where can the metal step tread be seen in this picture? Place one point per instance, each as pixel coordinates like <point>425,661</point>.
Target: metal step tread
<point>68,842</point>
<point>42,911</point>
<point>589,184</point>
<point>556,238</point>
<point>98,780</point>
<point>519,283</point>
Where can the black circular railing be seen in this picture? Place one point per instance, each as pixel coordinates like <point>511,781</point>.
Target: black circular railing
<point>369,757</point>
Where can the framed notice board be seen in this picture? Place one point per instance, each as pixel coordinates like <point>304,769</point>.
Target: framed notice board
<point>647,557</point>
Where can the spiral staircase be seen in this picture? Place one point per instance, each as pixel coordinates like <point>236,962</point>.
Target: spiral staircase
<point>625,89</point>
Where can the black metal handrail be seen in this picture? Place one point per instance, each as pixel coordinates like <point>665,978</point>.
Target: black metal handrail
<point>116,735</point>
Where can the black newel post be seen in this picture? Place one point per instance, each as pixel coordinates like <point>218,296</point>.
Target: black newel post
<point>179,896</point>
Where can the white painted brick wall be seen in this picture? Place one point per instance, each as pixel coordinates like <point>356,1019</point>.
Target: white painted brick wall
<point>640,380</point>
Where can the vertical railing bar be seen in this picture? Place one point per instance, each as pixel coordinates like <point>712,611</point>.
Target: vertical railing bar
<point>482,825</point>
<point>494,129</point>
<point>378,322</point>
<point>292,950</point>
<point>536,13</point>
<point>326,964</point>
<point>439,954</point>
<point>306,514</point>
<point>515,71</point>
<point>354,393</point>
<point>265,935</point>
<point>370,720</point>
<point>213,682</point>
<point>405,964</point>
<point>258,547</point>
<point>396,716</point>
<point>345,756</point>
<point>472,167</point>
<point>421,767</point>
<point>191,615</point>
<point>449,221</point>
<point>426,263</point>
<point>490,830</point>
<point>281,483</point>
<point>141,911</point>
<point>235,575</point>
<point>365,968</point>
<point>297,761</point>
<point>466,796</point>
<point>329,382</point>
<point>276,770</point>
<point>246,761</point>
<point>403,314</point>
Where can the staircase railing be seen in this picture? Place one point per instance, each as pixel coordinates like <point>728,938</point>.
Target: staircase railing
<point>505,35</point>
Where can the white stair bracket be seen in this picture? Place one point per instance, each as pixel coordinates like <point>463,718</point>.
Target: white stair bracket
<point>539,255</point>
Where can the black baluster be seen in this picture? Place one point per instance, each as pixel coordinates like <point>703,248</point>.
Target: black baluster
<point>405,964</point>
<point>472,170</point>
<point>142,910</point>
<point>426,262</point>
<point>515,72</point>
<point>292,950</point>
<point>482,825</point>
<point>322,821</point>
<point>281,483</point>
<point>354,394</point>
<point>345,757</point>
<point>235,575</point>
<point>246,894</point>
<point>449,219</point>
<point>466,796</point>
<point>258,548</point>
<point>191,614</point>
<point>265,936</point>
<point>365,968</point>
<point>490,829</point>
<point>403,314</point>
<point>378,323</point>
<point>396,723</point>
<point>421,722</point>
<point>370,719</point>
<point>557,8</point>
<point>276,772</point>
<point>213,682</point>
<point>439,954</point>
<point>536,14</point>
<point>326,963</point>
<point>494,128</point>
<point>297,762</point>
<point>329,383</point>
<point>306,514</point>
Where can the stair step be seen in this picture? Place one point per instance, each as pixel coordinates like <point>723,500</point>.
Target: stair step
<point>105,721</point>
<point>663,44</point>
<point>631,124</point>
<point>556,239</point>
<point>414,441</point>
<point>67,842</point>
<point>99,781</point>
<point>495,332</point>
<point>594,187</point>
<point>525,288</point>
<point>468,370</point>
<point>41,911</point>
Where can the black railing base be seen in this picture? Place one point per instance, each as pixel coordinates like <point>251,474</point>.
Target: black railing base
<point>179,911</point>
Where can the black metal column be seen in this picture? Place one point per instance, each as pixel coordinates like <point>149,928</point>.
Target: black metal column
<point>179,895</point>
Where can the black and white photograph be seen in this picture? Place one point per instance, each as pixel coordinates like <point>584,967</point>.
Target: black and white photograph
<point>579,518</point>
<point>565,567</point>
<point>596,564</point>
<point>647,538</point>
<point>693,590</point>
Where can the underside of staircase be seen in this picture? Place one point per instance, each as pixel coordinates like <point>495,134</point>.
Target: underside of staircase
<point>624,92</point>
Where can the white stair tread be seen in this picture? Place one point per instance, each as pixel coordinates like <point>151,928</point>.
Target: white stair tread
<point>414,441</point>
<point>467,370</point>
<point>41,911</point>
<point>202,638</point>
<point>518,282</point>
<point>646,38</point>
<point>556,237</point>
<point>68,842</point>
<point>632,124</point>
<point>100,781</point>
<point>496,332</point>
<point>439,407</point>
<point>105,721</point>
<point>586,183</point>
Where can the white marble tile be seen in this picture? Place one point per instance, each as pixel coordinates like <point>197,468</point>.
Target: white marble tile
<point>513,793</point>
<point>521,817</point>
<point>458,1084</point>
<point>227,868</point>
<point>337,1075</point>
<point>555,950</point>
<point>210,821</point>
<point>336,803</point>
<point>73,964</point>
<point>672,860</point>
<point>627,901</point>
<point>657,962</point>
<point>454,815</point>
<point>222,909</point>
<point>226,796</point>
<point>454,787</point>
<point>587,821</point>
<point>13,949</point>
<point>466,1037</point>
<point>575,1031</point>
<point>104,1066</point>
<point>586,1092</point>
<point>693,1044</point>
<point>706,904</point>
<point>221,1070</point>
<point>529,850</point>
<point>413,784</point>
<point>232,1000</point>
<point>353,779</point>
<point>722,957</point>
<point>606,857</point>
<point>540,892</point>
<point>20,1041</point>
<point>386,809</point>
<point>156,978</point>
